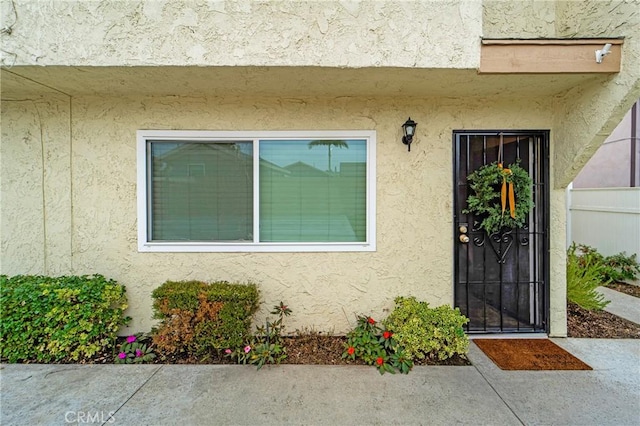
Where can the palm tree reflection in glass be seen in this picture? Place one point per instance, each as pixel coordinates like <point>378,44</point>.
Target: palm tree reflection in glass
<point>329,144</point>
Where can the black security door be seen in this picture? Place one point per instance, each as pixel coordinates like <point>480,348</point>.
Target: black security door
<point>501,279</point>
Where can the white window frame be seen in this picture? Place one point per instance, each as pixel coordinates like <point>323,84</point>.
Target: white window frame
<point>144,245</point>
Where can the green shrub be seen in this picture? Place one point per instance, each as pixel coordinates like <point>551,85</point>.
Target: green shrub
<point>427,332</point>
<point>616,268</point>
<point>47,319</point>
<point>202,319</point>
<point>584,275</point>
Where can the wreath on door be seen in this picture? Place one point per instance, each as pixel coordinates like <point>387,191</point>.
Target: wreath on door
<point>501,196</point>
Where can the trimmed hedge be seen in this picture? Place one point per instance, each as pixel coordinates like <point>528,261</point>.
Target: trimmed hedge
<point>200,318</point>
<point>49,319</point>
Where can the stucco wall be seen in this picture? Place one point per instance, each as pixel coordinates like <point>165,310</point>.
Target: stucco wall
<point>421,34</point>
<point>325,290</point>
<point>35,171</point>
<point>586,115</point>
<point>610,166</point>
<point>518,19</point>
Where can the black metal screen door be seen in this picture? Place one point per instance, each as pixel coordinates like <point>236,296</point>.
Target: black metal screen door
<point>501,280</point>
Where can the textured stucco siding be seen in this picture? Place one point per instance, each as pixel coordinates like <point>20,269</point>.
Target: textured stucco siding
<point>610,167</point>
<point>424,34</point>
<point>325,290</point>
<point>601,106</point>
<point>557,264</point>
<point>518,19</point>
<point>22,223</point>
<point>35,211</point>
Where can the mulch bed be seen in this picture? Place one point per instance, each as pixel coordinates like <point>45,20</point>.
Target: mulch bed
<point>316,349</point>
<point>599,324</point>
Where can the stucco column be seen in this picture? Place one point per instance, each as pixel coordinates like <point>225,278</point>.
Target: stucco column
<point>557,265</point>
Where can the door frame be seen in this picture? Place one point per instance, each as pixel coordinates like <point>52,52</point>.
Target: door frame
<point>542,161</point>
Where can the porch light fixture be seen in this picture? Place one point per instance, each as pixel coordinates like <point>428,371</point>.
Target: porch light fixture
<point>409,129</point>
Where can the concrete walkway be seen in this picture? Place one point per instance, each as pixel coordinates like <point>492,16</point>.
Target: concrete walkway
<point>330,395</point>
<point>622,305</point>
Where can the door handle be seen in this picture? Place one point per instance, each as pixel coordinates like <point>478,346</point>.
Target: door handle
<point>464,239</point>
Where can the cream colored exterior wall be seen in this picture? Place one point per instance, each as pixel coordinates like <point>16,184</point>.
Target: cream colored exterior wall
<point>610,167</point>
<point>424,34</point>
<point>35,176</point>
<point>519,19</point>
<point>79,78</point>
<point>325,290</point>
<point>602,105</point>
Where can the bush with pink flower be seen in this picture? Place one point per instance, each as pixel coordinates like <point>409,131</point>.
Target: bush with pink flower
<point>265,346</point>
<point>135,350</point>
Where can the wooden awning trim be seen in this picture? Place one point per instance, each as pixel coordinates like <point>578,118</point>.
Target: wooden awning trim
<point>548,56</point>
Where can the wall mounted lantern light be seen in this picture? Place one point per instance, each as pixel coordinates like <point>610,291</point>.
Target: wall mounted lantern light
<point>409,128</point>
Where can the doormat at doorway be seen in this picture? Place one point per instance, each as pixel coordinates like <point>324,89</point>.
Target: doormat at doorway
<point>529,354</point>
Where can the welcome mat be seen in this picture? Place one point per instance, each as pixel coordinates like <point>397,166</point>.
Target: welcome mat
<point>529,354</point>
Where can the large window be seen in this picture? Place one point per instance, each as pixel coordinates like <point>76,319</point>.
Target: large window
<point>256,191</point>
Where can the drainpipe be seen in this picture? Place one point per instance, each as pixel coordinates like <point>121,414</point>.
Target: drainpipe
<point>634,143</point>
<point>568,231</point>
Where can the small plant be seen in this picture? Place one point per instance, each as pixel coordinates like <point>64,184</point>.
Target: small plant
<point>616,268</point>
<point>620,267</point>
<point>266,345</point>
<point>584,275</point>
<point>373,344</point>
<point>135,350</point>
<point>424,332</point>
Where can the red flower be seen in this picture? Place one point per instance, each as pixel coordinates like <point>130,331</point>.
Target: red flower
<point>379,361</point>
<point>351,350</point>
<point>386,334</point>
<point>371,320</point>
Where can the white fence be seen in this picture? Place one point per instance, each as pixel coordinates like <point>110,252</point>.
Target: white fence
<point>605,218</point>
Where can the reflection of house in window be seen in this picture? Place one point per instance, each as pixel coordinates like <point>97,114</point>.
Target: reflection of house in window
<point>353,169</point>
<point>300,168</point>
<point>195,169</point>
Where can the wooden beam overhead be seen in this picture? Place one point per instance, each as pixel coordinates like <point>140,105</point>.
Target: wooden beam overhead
<point>548,56</point>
